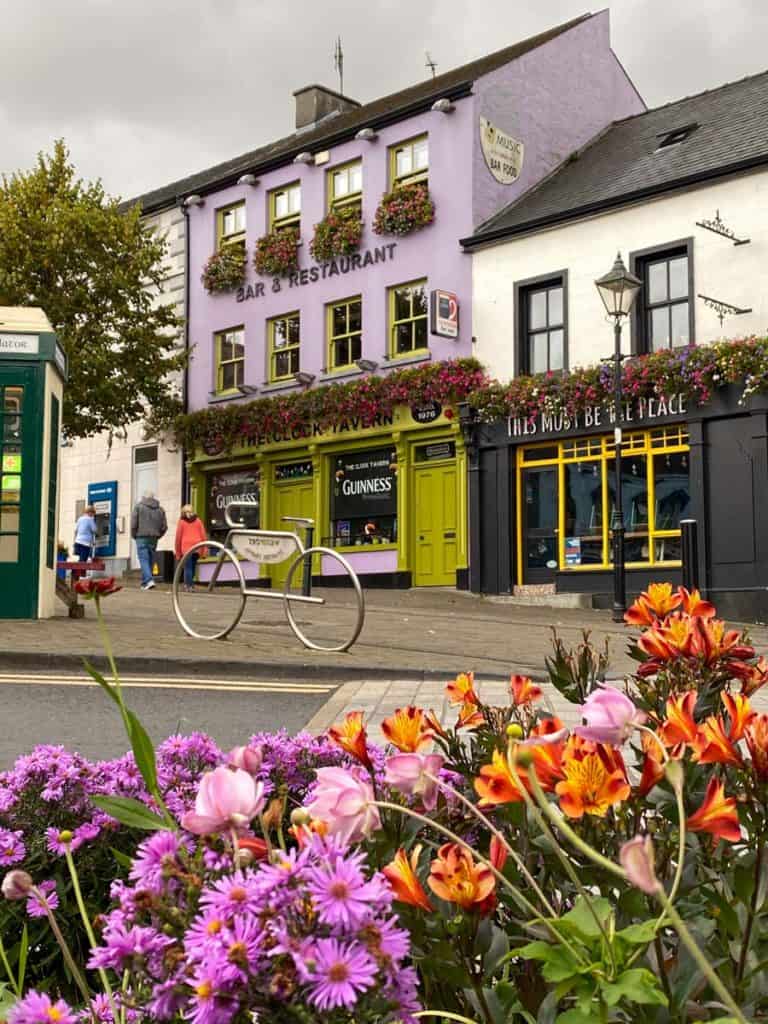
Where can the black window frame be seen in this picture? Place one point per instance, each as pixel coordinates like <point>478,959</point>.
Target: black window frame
<point>558,278</point>
<point>638,262</point>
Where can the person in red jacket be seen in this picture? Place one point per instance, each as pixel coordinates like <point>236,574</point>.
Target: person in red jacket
<point>189,531</point>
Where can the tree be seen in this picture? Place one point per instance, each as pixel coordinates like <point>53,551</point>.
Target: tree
<point>96,271</point>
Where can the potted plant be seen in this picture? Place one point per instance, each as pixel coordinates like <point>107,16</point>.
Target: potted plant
<point>338,234</point>
<point>277,253</point>
<point>225,270</point>
<point>406,209</point>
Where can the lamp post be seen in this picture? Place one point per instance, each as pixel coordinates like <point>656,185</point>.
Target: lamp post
<point>618,289</point>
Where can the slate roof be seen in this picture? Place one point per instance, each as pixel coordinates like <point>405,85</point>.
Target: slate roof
<point>337,127</point>
<point>624,163</point>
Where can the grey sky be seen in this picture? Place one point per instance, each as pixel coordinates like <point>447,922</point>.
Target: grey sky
<point>147,91</point>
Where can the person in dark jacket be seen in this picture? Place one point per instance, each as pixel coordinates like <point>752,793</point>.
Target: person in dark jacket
<point>148,525</point>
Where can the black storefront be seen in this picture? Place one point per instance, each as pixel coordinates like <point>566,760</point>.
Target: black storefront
<point>541,493</point>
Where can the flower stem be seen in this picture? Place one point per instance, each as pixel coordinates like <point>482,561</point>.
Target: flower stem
<point>66,952</point>
<point>88,927</point>
<point>15,985</point>
<point>445,1015</point>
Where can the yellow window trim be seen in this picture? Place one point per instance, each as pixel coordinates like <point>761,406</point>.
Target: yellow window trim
<point>220,363</point>
<point>353,198</point>
<point>406,179</point>
<point>290,220</point>
<point>393,323</point>
<point>331,337</point>
<point>272,377</point>
<point>237,237</point>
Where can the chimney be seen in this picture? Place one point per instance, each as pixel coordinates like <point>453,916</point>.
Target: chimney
<point>314,102</point>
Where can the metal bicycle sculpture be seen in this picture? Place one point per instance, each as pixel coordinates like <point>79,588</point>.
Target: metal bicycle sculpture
<point>205,619</point>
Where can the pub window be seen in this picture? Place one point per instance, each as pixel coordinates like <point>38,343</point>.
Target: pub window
<point>230,226</point>
<point>409,162</point>
<point>230,359</point>
<point>227,487</point>
<point>345,333</point>
<point>285,207</point>
<point>364,498</point>
<point>345,186</point>
<point>408,308</point>
<point>542,324</point>
<point>664,312</point>
<point>284,337</point>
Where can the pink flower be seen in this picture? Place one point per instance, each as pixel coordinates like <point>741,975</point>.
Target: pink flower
<point>227,798</point>
<point>637,859</point>
<point>247,758</point>
<point>345,803</point>
<point>608,716</point>
<point>408,774</point>
<point>17,885</point>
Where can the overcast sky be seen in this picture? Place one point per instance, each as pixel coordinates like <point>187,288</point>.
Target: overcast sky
<point>148,91</point>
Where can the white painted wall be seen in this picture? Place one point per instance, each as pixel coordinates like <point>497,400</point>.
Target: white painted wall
<point>90,460</point>
<point>587,248</point>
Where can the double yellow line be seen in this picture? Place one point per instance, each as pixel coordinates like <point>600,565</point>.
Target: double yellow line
<point>168,683</point>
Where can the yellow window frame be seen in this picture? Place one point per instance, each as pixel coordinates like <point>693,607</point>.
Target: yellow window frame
<point>233,237</point>
<point>347,335</point>
<point>289,220</point>
<point>394,323</point>
<point>351,198</point>
<point>410,177</point>
<point>273,351</point>
<point>219,338</point>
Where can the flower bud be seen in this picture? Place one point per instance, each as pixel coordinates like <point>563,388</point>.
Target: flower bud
<point>522,757</point>
<point>273,814</point>
<point>675,775</point>
<point>300,816</point>
<point>17,885</point>
<point>243,858</point>
<point>514,731</point>
<point>65,836</point>
<point>638,860</point>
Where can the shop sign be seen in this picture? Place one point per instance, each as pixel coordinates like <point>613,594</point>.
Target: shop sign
<point>19,344</point>
<point>320,272</point>
<point>444,314</point>
<point>365,483</point>
<point>438,450</point>
<point>597,416</point>
<point>503,154</point>
<point>426,412</point>
<point>294,471</point>
<point>266,550</point>
<point>226,488</point>
<point>303,431</point>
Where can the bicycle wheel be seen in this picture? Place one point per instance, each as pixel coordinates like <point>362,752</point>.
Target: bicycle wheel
<point>212,608</point>
<point>332,620</point>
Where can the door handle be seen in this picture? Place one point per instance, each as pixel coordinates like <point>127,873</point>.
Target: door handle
<point>421,538</point>
<point>451,535</point>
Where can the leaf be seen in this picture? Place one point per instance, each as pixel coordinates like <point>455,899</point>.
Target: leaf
<point>638,934</point>
<point>582,920</point>
<point>23,951</point>
<point>576,1016</point>
<point>130,812</point>
<point>7,1001</point>
<point>143,751</point>
<point>99,678</point>
<point>637,985</point>
<point>558,962</point>
<point>122,858</point>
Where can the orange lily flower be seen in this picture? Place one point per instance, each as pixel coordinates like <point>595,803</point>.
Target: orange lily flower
<point>470,717</point>
<point>653,765</point>
<point>712,641</point>
<point>408,729</point>
<point>454,876</point>
<point>496,784</point>
<point>401,875</point>
<point>461,690</point>
<point>303,833</point>
<point>498,853</point>
<point>756,735</point>
<point>694,604</point>
<point>755,678</point>
<point>654,603</point>
<point>679,725</point>
<point>654,643</point>
<point>590,786</point>
<point>351,736</point>
<point>523,690</point>
<point>548,754</point>
<point>712,745</point>
<point>433,723</point>
<point>717,814</point>
<point>739,713</point>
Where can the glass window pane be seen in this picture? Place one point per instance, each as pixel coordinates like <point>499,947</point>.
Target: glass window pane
<point>227,376</point>
<point>355,315</point>
<point>403,161</point>
<point>238,350</point>
<point>658,328</point>
<point>239,371</point>
<point>340,183</point>
<point>583,513</point>
<point>228,222</point>
<point>420,334</point>
<point>421,154</point>
<point>556,350</point>
<point>680,325</point>
<point>537,353</point>
<point>294,330</point>
<point>678,277</point>
<point>672,489</point>
<point>668,549</point>
<point>282,364</point>
<point>537,309</point>
<point>240,218</point>
<point>419,301</point>
<point>403,342</point>
<point>402,303</point>
<point>555,306</point>
<point>341,353</point>
<point>294,197</point>
<point>13,399</point>
<point>225,351</point>
<point>293,357</point>
<point>279,333</point>
<point>356,345</point>
<point>356,178</point>
<point>9,548</point>
<point>541,499</point>
<point>281,204</point>
<point>339,320</point>
<point>634,495</point>
<point>657,282</point>
<point>9,518</point>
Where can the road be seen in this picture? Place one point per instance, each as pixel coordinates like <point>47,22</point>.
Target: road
<point>72,710</point>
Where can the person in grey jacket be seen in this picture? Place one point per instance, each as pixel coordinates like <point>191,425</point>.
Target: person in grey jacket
<point>148,525</point>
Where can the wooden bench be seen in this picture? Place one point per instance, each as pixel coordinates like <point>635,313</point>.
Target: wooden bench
<point>66,591</point>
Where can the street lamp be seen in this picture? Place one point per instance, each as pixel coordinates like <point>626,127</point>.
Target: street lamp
<point>618,289</point>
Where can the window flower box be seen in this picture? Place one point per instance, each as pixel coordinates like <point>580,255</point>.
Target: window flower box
<point>406,209</point>
<point>338,234</point>
<point>277,254</point>
<point>225,270</point>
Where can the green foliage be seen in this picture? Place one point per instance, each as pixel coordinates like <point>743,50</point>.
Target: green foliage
<point>225,270</point>
<point>95,269</point>
<point>576,672</point>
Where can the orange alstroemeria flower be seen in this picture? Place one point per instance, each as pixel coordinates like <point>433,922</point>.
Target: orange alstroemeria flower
<point>756,677</point>
<point>654,603</point>
<point>717,815</point>
<point>694,604</point>
<point>653,765</point>
<point>712,641</point>
<point>756,735</point>
<point>351,736</point>
<point>401,875</point>
<point>461,690</point>
<point>455,877</point>
<point>739,713</point>
<point>548,753</point>
<point>679,725</point>
<point>591,785</point>
<point>496,784</point>
<point>408,729</point>
<point>712,745</point>
<point>523,690</point>
<point>470,717</point>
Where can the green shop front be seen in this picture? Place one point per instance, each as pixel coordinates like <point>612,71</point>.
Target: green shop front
<point>390,496</point>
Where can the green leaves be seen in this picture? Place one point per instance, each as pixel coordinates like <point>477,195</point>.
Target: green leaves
<point>130,812</point>
<point>636,986</point>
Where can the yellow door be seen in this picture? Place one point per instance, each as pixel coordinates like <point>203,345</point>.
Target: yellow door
<point>435,518</point>
<point>291,499</point>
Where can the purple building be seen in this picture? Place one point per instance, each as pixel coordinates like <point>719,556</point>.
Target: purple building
<point>388,490</point>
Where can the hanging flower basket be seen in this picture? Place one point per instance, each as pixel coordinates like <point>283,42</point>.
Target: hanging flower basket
<point>407,209</point>
<point>277,254</point>
<point>224,271</point>
<point>338,234</point>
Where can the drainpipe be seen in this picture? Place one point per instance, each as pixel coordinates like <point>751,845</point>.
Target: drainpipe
<point>185,379</point>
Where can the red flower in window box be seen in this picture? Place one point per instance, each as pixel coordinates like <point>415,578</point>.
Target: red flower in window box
<point>277,254</point>
<point>338,234</point>
<point>225,270</point>
<point>406,209</point>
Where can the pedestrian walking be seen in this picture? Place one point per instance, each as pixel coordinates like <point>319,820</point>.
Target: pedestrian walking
<point>189,531</point>
<point>85,538</point>
<point>148,525</point>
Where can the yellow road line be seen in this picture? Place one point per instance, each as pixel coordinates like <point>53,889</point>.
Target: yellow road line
<point>163,685</point>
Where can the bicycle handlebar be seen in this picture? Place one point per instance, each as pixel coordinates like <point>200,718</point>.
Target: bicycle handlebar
<point>237,504</point>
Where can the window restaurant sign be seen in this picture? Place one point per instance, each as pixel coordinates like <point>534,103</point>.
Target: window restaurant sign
<point>225,488</point>
<point>365,483</point>
<point>641,411</point>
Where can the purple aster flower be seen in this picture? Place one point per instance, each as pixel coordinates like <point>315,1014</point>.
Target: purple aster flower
<point>124,945</point>
<point>168,999</point>
<point>341,894</point>
<point>209,1003</point>
<point>12,848</point>
<point>385,940</point>
<point>37,1008</point>
<point>155,858</point>
<point>341,971</point>
<point>43,899</point>
<point>236,894</point>
<point>56,846</point>
<point>85,833</point>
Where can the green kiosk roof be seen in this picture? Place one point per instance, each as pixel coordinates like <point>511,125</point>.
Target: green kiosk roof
<point>26,334</point>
